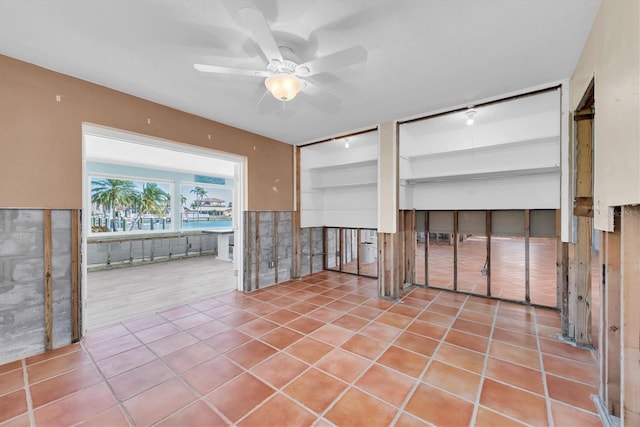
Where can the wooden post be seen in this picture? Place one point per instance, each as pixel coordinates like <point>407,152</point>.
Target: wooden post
<point>572,301</point>
<point>256,247</point>
<point>339,244</point>
<point>275,245</point>
<point>400,247</point>
<point>359,237</point>
<point>325,248</point>
<point>75,276</point>
<point>410,238</point>
<point>249,252</point>
<point>583,209</point>
<point>310,250</point>
<point>48,283</point>
<point>630,296</point>
<point>488,232</point>
<point>455,250</point>
<point>426,248</point>
<point>527,234</point>
<point>388,266</point>
<point>611,324</point>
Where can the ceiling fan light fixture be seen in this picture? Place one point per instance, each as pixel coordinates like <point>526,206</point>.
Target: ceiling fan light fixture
<point>283,87</point>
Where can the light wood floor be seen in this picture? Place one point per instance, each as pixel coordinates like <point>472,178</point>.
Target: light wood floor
<point>126,293</point>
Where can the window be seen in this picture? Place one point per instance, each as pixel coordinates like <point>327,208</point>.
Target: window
<point>129,204</point>
<point>205,206</point>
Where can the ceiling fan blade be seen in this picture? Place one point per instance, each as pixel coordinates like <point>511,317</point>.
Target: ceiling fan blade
<point>259,27</point>
<point>331,62</point>
<point>228,70</point>
<point>322,99</point>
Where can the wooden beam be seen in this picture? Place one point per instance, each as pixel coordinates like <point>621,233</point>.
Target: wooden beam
<point>48,282</point>
<point>631,315</point>
<point>611,325</point>
<point>527,265</point>
<point>75,276</point>
<point>488,232</point>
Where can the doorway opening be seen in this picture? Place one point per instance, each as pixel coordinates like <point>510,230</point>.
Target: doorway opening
<point>162,225</point>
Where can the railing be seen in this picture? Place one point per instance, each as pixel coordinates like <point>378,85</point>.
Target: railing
<point>104,251</point>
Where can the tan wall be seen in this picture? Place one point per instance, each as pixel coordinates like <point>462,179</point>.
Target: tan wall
<point>41,139</point>
<point>612,56</point>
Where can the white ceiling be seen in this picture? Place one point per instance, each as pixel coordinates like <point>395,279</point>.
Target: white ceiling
<point>422,55</point>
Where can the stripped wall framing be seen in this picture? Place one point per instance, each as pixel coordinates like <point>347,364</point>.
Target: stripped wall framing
<point>39,281</point>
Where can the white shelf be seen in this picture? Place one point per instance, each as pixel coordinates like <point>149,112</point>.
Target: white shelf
<point>342,166</point>
<point>346,185</point>
<point>484,148</point>
<point>552,170</point>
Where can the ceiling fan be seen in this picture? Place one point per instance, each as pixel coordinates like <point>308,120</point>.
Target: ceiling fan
<point>284,77</point>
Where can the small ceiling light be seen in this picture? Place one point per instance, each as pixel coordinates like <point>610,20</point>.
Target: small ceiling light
<point>346,143</point>
<point>470,114</point>
<point>282,86</point>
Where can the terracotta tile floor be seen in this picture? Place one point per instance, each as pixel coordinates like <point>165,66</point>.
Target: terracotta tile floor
<point>318,351</point>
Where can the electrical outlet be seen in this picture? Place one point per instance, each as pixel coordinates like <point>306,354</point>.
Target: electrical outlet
<point>272,264</point>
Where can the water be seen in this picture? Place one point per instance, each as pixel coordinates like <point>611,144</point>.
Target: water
<point>207,224</point>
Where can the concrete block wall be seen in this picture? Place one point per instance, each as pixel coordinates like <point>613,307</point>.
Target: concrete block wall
<point>262,261</point>
<point>285,246</point>
<point>305,236</point>
<point>22,330</point>
<point>317,235</point>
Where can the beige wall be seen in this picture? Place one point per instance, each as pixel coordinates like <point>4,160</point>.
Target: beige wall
<point>41,139</point>
<point>612,56</point>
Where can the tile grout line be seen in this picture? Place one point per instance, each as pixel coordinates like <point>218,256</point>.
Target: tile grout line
<point>429,362</point>
<point>544,374</point>
<point>27,392</point>
<point>476,404</point>
<point>119,403</point>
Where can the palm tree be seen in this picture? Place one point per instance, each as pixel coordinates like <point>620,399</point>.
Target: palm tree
<point>152,200</point>
<point>200,192</point>
<point>108,193</point>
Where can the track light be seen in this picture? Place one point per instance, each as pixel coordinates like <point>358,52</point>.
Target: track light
<point>470,114</point>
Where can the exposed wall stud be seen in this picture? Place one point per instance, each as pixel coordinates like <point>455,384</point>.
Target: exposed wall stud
<point>75,276</point>
<point>48,283</point>
<point>527,234</point>
<point>488,259</point>
<point>275,245</point>
<point>630,295</point>
<point>426,248</point>
<point>611,324</point>
<point>455,250</point>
